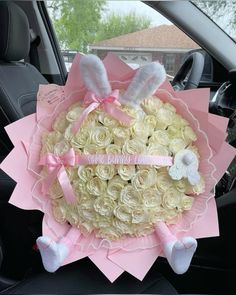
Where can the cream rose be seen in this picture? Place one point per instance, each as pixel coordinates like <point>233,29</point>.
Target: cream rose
<point>139,216</point>
<point>200,187</point>
<point>164,182</point>
<point>152,198</point>
<point>172,216</point>
<point>105,172</point>
<point>142,229</point>
<point>72,217</point>
<point>134,146</point>
<point>165,116</point>
<point>102,221</point>
<point>107,120</point>
<point>142,131</point>
<point>136,113</point>
<point>86,172</point>
<point>81,139</point>
<point>59,210</point>
<point>86,228</point>
<point>86,210</point>
<point>150,121</point>
<point>172,199</point>
<point>177,145</point>
<point>179,121</point>
<point>144,179</point>
<point>104,206</point>
<point>114,187</point>
<point>61,147</point>
<point>55,191</point>
<point>157,150</point>
<point>79,186</point>
<point>113,149</point>
<point>72,173</point>
<point>130,197</point>
<point>100,136</point>
<point>74,114</point>
<point>120,135</point>
<point>151,105</point>
<point>186,202</point>
<point>126,172</point>
<point>174,132</point>
<point>180,185</point>
<point>50,139</point>
<point>123,213</point>
<point>109,233</point>
<point>60,124</point>
<point>59,214</point>
<point>169,107</point>
<point>122,227</point>
<point>160,137</point>
<point>188,135</point>
<point>68,134</point>
<point>96,186</point>
<point>92,120</point>
<point>93,149</point>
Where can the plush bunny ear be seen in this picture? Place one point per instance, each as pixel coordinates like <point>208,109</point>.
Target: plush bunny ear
<point>94,75</point>
<point>145,83</point>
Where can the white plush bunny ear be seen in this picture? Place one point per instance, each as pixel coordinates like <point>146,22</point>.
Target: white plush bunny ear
<point>144,84</point>
<point>94,75</point>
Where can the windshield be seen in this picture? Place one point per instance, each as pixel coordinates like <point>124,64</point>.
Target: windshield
<point>222,12</point>
<point>133,31</point>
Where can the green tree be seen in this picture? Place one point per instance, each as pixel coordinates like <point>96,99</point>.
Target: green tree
<point>79,23</point>
<point>115,25</point>
<point>76,22</point>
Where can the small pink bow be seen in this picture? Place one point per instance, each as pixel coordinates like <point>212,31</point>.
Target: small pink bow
<point>56,168</point>
<point>110,105</point>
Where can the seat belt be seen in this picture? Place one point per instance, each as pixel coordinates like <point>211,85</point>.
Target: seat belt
<point>33,54</point>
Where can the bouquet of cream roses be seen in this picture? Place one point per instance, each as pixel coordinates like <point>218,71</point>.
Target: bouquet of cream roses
<point>121,168</point>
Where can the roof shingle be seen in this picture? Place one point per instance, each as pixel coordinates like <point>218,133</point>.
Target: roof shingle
<point>164,36</point>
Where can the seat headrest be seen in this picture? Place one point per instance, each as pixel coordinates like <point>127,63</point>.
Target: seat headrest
<point>15,33</point>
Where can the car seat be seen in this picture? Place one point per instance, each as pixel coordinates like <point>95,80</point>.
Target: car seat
<point>19,82</point>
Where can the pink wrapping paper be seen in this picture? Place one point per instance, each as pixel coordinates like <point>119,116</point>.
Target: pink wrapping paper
<point>115,258</point>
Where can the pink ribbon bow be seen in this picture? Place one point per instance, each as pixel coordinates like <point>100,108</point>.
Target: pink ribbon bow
<point>56,168</point>
<point>110,105</point>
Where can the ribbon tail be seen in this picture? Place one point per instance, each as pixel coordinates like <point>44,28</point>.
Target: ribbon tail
<point>77,125</point>
<point>119,115</point>
<point>66,185</point>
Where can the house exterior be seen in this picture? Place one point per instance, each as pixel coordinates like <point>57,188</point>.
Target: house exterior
<point>165,43</point>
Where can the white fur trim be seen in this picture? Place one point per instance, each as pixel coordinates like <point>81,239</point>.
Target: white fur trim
<point>94,75</point>
<point>144,84</point>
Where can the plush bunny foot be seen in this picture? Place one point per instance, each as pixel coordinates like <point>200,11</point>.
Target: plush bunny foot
<point>52,253</point>
<point>179,253</point>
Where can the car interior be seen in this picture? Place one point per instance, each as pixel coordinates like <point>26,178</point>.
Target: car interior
<point>29,56</point>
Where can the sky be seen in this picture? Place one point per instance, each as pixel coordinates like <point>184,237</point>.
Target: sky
<point>124,7</point>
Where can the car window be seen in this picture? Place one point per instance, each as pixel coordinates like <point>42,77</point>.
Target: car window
<point>132,30</point>
<point>222,12</point>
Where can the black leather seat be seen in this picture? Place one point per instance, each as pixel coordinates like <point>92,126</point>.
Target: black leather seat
<point>19,81</point>
<point>83,277</point>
